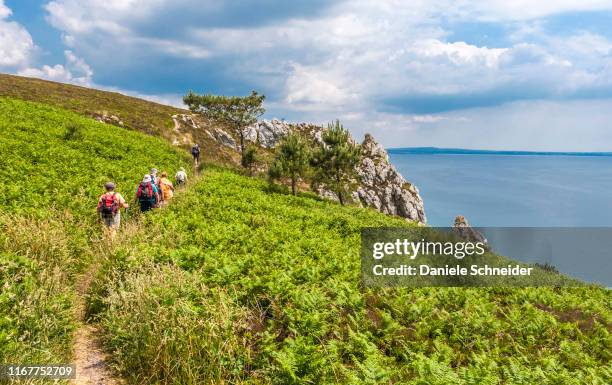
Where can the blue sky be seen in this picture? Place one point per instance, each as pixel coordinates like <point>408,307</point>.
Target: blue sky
<point>532,75</point>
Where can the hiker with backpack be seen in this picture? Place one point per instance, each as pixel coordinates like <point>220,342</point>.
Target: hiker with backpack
<point>195,152</point>
<point>154,178</point>
<point>109,208</point>
<point>166,188</point>
<point>155,181</point>
<point>181,177</point>
<point>147,194</point>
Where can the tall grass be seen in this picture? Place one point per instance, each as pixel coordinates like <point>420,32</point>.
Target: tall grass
<point>166,317</point>
<point>38,262</point>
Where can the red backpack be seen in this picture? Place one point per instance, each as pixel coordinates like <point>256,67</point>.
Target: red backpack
<point>109,204</point>
<point>145,191</point>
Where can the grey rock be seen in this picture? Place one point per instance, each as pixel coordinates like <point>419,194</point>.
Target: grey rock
<point>224,138</point>
<point>383,188</point>
<point>267,133</point>
<point>104,117</point>
<point>184,122</point>
<point>210,135</point>
<point>462,228</point>
<point>250,133</point>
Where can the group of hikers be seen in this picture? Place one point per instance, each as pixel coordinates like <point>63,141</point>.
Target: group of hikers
<point>152,192</point>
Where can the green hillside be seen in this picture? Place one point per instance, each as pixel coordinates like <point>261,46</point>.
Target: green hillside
<point>237,282</point>
<point>137,114</point>
<point>53,164</point>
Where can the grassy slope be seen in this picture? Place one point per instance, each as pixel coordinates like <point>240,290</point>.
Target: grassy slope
<point>137,114</point>
<point>237,284</point>
<point>53,164</point>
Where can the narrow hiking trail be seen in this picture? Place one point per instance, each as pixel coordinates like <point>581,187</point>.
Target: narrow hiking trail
<point>90,360</point>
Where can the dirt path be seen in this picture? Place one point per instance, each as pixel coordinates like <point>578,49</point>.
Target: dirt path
<point>177,125</point>
<point>89,358</point>
<point>196,167</point>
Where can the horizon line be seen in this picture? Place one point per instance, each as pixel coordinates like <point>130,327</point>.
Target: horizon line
<point>468,151</point>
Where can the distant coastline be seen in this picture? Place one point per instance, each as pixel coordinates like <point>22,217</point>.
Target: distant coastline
<point>464,151</point>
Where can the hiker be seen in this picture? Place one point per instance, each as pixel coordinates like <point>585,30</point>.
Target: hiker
<point>155,181</point>
<point>195,151</point>
<point>109,208</point>
<point>147,194</point>
<point>181,177</point>
<point>166,188</point>
<point>154,177</point>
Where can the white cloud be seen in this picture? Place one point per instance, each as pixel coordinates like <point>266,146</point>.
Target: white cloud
<point>56,73</point>
<point>16,45</point>
<point>459,53</point>
<point>428,118</point>
<point>499,10</point>
<point>75,71</point>
<point>364,61</point>
<point>77,17</point>
<point>166,99</point>
<point>314,86</point>
<point>5,11</point>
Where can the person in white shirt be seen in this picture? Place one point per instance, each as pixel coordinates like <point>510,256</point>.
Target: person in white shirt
<point>181,177</point>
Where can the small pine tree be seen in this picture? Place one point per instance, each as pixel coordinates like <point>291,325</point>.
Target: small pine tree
<point>291,160</point>
<point>335,161</point>
<point>249,158</point>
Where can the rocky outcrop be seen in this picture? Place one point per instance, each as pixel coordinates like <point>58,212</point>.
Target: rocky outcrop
<point>267,133</point>
<point>107,118</point>
<point>462,228</point>
<point>223,137</point>
<point>381,186</point>
<point>184,125</point>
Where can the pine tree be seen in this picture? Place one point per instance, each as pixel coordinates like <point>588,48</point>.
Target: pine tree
<point>335,161</point>
<point>291,160</point>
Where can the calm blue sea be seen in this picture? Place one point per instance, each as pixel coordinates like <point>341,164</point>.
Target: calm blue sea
<point>496,189</point>
<point>523,190</point>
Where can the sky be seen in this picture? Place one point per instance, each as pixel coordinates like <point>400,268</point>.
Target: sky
<point>496,74</point>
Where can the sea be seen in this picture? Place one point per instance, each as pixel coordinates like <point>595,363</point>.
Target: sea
<point>544,190</point>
